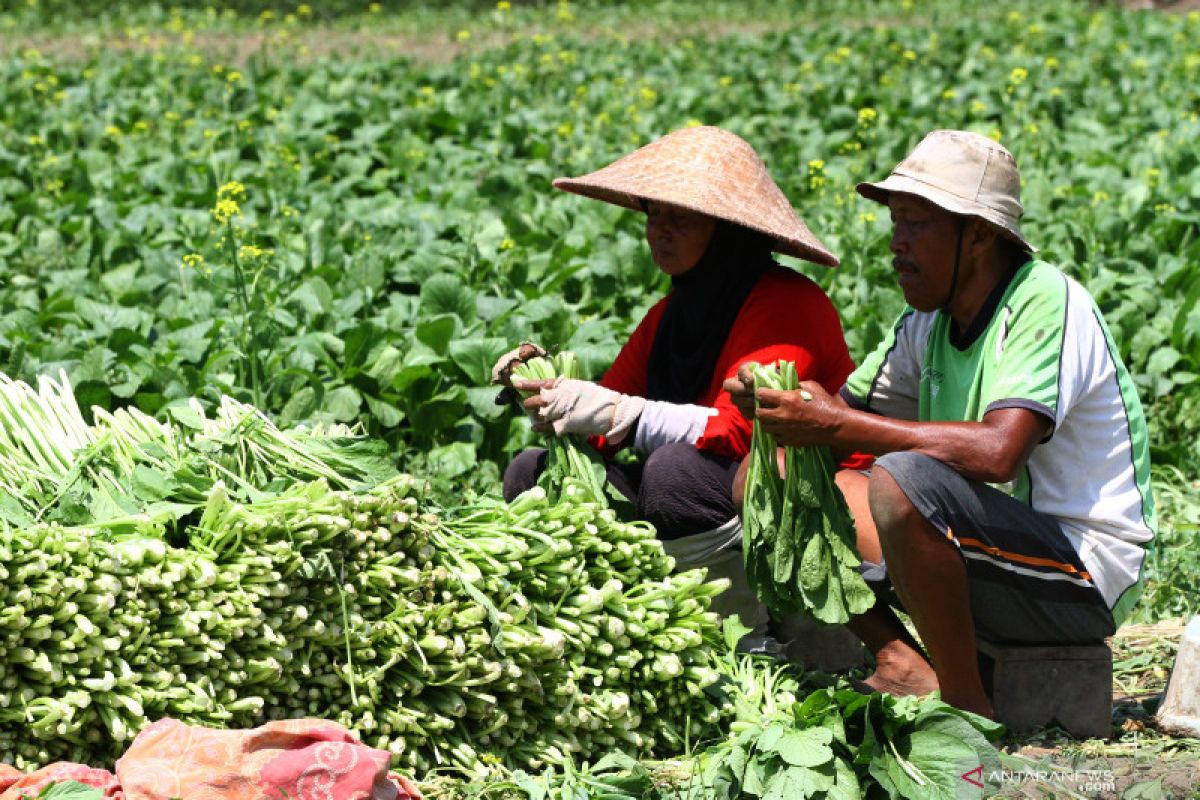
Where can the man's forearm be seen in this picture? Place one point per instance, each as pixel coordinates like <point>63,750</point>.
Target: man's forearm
<point>976,450</point>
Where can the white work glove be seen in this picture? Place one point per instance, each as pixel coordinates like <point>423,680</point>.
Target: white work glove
<point>575,406</point>
<point>502,369</point>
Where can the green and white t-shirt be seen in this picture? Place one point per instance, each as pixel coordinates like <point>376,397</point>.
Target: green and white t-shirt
<point>1045,348</point>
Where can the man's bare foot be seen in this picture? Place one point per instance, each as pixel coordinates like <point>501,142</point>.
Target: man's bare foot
<point>980,706</point>
<point>900,670</point>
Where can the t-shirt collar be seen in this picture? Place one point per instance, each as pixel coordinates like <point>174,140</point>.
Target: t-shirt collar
<point>984,317</point>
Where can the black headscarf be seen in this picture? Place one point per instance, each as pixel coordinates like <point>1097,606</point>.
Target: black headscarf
<point>700,315</point>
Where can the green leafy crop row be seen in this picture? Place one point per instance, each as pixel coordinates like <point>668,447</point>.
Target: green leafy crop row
<point>395,229</point>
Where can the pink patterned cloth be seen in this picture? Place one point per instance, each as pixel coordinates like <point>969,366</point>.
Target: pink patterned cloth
<point>306,759</point>
<point>15,784</point>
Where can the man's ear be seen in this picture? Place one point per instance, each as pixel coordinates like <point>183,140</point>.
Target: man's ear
<point>980,237</point>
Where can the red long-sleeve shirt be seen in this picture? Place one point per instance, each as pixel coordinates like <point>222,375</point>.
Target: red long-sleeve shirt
<point>786,317</point>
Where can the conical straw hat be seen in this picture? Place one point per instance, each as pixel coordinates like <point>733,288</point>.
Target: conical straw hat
<point>711,171</point>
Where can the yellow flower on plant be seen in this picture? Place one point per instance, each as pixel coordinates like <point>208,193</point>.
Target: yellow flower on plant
<point>866,117</point>
<point>193,260</point>
<point>463,35</point>
<point>1164,208</point>
<point>428,91</point>
<point>234,76</point>
<point>693,123</point>
<point>233,189</point>
<point>565,130</point>
<point>647,95</point>
<point>1052,62</point>
<point>36,141</point>
<point>304,10</point>
<point>225,210</point>
<point>995,134</point>
<point>504,5</point>
<point>867,217</point>
<point>375,8</point>
<point>909,55</point>
<point>266,16</point>
<point>1014,16</point>
<point>250,251</point>
<point>726,81</point>
<point>1018,76</point>
<point>564,13</point>
<point>1099,197</point>
<point>949,94</point>
<point>507,244</point>
<point>113,132</point>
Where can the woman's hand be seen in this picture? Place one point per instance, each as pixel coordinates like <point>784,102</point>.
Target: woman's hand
<point>802,418</point>
<point>534,404</point>
<point>568,405</point>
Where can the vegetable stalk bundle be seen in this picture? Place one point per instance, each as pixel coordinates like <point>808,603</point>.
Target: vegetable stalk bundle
<point>569,460</point>
<point>535,631</point>
<point>799,535</point>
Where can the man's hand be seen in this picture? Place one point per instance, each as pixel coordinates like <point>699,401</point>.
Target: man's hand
<point>567,405</point>
<point>741,390</point>
<point>802,418</point>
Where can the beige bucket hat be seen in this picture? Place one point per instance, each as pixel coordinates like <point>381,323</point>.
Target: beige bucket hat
<point>713,172</point>
<point>964,173</point>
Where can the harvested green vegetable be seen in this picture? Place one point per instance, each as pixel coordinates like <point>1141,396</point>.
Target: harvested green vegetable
<point>800,541</point>
<point>830,743</point>
<point>837,743</point>
<point>220,584</point>
<point>572,466</point>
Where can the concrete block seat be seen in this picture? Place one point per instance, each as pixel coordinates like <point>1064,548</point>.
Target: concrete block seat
<point>1032,686</point>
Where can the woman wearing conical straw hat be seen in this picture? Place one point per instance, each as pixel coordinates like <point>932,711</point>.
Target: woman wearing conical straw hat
<point>713,218</point>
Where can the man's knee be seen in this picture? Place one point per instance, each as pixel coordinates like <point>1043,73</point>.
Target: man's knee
<point>890,505</point>
<point>523,472</point>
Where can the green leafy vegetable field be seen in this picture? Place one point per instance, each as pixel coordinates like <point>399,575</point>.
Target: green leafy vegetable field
<point>346,218</point>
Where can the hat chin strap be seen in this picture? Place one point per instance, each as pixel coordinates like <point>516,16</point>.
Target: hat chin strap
<point>957,262</point>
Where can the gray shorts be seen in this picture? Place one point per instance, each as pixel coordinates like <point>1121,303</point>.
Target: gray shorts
<point>1027,583</point>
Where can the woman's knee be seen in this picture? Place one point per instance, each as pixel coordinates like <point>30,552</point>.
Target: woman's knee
<point>523,472</point>
<point>684,491</point>
<point>665,464</point>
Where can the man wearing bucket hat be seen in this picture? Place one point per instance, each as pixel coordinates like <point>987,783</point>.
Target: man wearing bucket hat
<point>714,216</point>
<point>1011,496</point>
